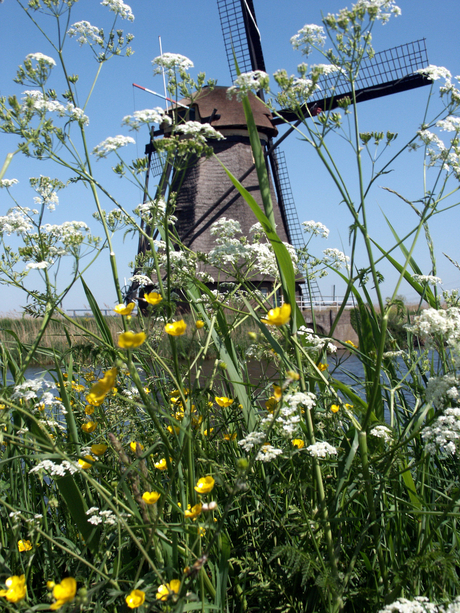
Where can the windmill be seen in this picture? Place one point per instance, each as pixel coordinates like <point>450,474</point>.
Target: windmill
<point>205,193</point>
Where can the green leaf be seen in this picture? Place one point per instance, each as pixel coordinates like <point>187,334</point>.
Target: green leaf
<point>99,318</point>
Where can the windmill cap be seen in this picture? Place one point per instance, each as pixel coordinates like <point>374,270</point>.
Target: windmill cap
<point>215,108</point>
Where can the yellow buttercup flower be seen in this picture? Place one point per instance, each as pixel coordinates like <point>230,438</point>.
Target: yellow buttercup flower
<point>161,464</point>
<point>16,588</point>
<point>64,592</point>
<point>277,392</point>
<point>131,340</point>
<point>192,513</point>
<point>87,462</point>
<point>230,437</point>
<point>89,426</point>
<point>24,545</point>
<point>204,485</point>
<point>298,442</point>
<point>278,316</point>
<point>135,599</point>
<point>223,401</point>
<point>206,433</point>
<point>168,589</point>
<point>176,328</point>
<point>153,298</point>
<point>348,406</point>
<point>150,497</point>
<point>293,375</point>
<point>173,429</point>
<point>133,445</point>
<point>89,409</point>
<point>99,449</point>
<point>201,531</point>
<point>199,324</point>
<point>351,343</point>
<point>101,388</point>
<point>322,367</point>
<point>271,403</point>
<point>121,309</point>
<point>335,408</point>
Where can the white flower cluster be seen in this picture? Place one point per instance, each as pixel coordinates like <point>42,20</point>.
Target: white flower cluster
<point>37,101</point>
<point>249,82</point>
<point>46,190</point>
<point>225,228</point>
<point>321,450</point>
<point>382,432</point>
<point>378,9</point>
<point>101,517</point>
<point>308,37</point>
<point>439,389</point>
<point>449,124</point>
<point>427,278</point>
<point>171,62</point>
<point>69,233</point>
<point>251,440</point>
<point>56,470</point>
<point>112,143</point>
<point>142,280</point>
<point>41,59</point>
<point>16,221</point>
<point>444,433</point>
<point>315,342</point>
<point>200,132</point>
<point>335,258</point>
<point>147,116</point>
<point>420,604</point>
<point>432,324</point>
<point>288,416</point>
<point>31,389</point>
<point>325,69</point>
<point>316,228</point>
<point>8,182</point>
<point>152,211</point>
<point>86,33</point>
<point>268,453</point>
<point>435,72</point>
<point>119,8</point>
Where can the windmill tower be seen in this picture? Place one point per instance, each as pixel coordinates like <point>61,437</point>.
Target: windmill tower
<point>206,193</point>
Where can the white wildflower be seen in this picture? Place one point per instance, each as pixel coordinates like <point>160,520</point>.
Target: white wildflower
<point>268,453</point>
<point>321,450</point>
<point>147,116</point>
<point>112,143</point>
<point>38,265</point>
<point>55,470</point>
<point>119,8</point>
<point>199,131</point>
<point>41,59</point>
<point>449,124</point>
<point>249,82</point>
<point>251,440</point>
<point>86,33</point>
<point>315,342</point>
<point>435,72</point>
<point>142,280</point>
<point>335,258</point>
<point>427,278</point>
<point>171,61</point>
<point>8,182</point>
<point>306,399</point>
<point>309,36</point>
<point>316,228</point>
<point>382,432</point>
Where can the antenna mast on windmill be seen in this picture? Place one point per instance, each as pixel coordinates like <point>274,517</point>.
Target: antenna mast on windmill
<point>204,192</point>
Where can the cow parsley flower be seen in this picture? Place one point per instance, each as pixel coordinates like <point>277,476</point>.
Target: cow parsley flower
<point>199,131</point>
<point>427,278</point>
<point>8,182</point>
<point>247,82</point>
<point>382,432</point>
<point>171,61</point>
<point>435,72</point>
<point>316,228</point>
<point>40,58</point>
<point>112,143</point>
<point>251,440</point>
<point>119,8</point>
<point>55,470</point>
<point>309,36</point>
<point>147,116</point>
<point>335,258</point>
<point>86,33</point>
<point>268,453</point>
<point>321,450</point>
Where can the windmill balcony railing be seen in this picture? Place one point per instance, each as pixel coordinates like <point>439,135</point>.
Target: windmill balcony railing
<point>323,302</point>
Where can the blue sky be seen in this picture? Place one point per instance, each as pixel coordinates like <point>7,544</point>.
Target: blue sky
<point>193,29</point>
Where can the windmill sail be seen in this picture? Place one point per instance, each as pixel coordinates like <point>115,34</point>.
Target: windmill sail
<point>387,72</point>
